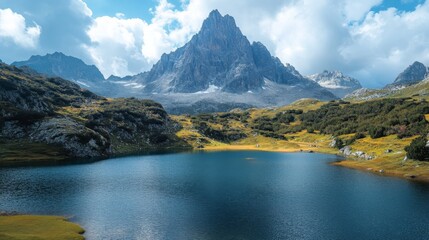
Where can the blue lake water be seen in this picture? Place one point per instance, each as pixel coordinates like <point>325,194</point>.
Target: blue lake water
<point>221,195</point>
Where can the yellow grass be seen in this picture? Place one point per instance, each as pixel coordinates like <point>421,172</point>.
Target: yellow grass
<point>389,163</point>
<point>23,227</point>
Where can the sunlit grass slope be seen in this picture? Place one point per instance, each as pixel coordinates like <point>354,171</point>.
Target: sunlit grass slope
<point>24,227</point>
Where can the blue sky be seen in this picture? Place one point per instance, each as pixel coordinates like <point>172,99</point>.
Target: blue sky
<point>131,8</point>
<point>371,40</point>
<point>141,8</point>
<point>403,5</point>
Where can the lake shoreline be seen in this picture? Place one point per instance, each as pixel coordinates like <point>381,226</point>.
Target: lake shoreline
<point>365,166</point>
<point>361,165</point>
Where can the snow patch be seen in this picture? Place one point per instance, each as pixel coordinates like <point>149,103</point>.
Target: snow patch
<point>82,83</point>
<point>210,89</point>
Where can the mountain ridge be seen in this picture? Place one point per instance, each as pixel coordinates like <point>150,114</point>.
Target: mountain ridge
<point>336,82</point>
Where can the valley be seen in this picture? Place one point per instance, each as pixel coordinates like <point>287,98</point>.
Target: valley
<point>219,139</point>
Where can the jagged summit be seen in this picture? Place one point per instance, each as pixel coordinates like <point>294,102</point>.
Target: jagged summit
<point>220,58</point>
<point>215,20</point>
<point>218,65</point>
<point>336,82</point>
<point>413,74</point>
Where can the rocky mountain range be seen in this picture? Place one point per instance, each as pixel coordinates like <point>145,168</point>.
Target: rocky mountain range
<point>336,82</point>
<point>413,81</point>
<point>220,66</point>
<point>217,70</point>
<point>67,67</point>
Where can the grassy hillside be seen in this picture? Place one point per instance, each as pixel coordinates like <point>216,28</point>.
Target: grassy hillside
<point>417,91</point>
<point>23,227</point>
<point>376,132</point>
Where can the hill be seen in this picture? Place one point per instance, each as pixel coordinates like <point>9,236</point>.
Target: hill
<point>371,135</point>
<point>54,119</point>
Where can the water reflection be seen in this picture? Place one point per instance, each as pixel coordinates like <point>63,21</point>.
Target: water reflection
<point>223,195</point>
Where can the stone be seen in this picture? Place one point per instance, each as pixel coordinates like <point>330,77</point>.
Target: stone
<point>346,151</point>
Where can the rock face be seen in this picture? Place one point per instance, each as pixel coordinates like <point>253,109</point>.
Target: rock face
<point>413,74</point>
<point>66,67</point>
<point>220,58</point>
<point>336,82</point>
<point>59,113</point>
<point>219,65</point>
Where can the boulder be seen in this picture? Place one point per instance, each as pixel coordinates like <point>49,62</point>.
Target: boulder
<point>346,151</point>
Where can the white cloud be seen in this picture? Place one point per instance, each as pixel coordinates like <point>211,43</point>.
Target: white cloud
<point>136,44</point>
<point>116,45</point>
<point>356,10</point>
<point>388,41</point>
<point>13,27</point>
<point>312,35</point>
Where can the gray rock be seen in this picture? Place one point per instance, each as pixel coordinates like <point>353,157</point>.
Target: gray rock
<point>346,151</point>
<point>333,143</point>
<point>359,154</point>
<point>74,137</point>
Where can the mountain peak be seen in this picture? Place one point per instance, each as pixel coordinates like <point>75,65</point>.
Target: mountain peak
<point>215,14</point>
<point>60,65</point>
<point>217,22</point>
<point>414,73</point>
<point>417,64</point>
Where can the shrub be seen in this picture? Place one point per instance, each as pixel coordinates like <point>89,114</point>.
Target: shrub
<point>377,132</point>
<point>418,150</point>
<point>359,135</point>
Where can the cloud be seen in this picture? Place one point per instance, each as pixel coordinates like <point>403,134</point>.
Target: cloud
<point>63,27</point>
<point>13,27</point>
<point>386,42</point>
<point>123,46</point>
<point>312,35</point>
<point>116,45</point>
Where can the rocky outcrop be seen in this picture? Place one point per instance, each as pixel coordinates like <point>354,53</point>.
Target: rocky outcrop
<point>59,113</point>
<point>336,82</point>
<point>347,152</point>
<point>77,139</point>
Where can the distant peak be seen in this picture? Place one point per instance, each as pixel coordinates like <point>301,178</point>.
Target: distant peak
<point>417,63</point>
<point>215,14</point>
<point>215,20</point>
<point>55,54</point>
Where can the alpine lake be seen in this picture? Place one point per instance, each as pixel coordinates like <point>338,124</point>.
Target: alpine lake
<point>221,195</point>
